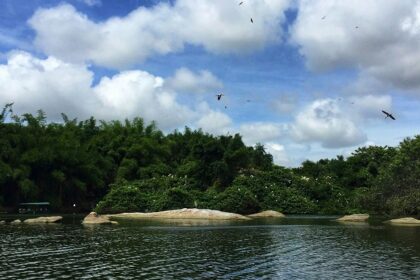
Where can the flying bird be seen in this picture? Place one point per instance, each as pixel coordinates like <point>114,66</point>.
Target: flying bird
<point>388,115</point>
<point>323,17</point>
<point>356,27</point>
<point>252,20</point>
<point>241,3</point>
<point>219,96</point>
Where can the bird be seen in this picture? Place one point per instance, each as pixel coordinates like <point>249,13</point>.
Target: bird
<point>241,3</point>
<point>252,20</point>
<point>248,100</point>
<point>356,27</point>
<point>219,96</point>
<point>323,17</point>
<point>388,115</point>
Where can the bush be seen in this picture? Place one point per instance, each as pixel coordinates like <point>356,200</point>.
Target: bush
<point>123,198</point>
<point>237,200</point>
<point>288,200</point>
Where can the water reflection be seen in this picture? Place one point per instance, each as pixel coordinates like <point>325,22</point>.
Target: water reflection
<point>301,248</point>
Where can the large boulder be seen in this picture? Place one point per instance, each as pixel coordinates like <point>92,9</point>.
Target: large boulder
<point>267,214</point>
<point>185,213</point>
<point>404,221</point>
<point>44,220</point>
<point>15,222</point>
<point>94,219</point>
<point>354,218</point>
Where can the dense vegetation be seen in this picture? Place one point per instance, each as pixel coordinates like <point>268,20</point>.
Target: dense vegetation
<point>130,166</point>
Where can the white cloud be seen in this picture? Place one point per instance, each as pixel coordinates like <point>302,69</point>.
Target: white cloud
<point>219,26</point>
<point>138,93</point>
<point>49,84</point>
<point>324,121</point>
<point>384,45</point>
<point>55,86</point>
<point>278,152</point>
<point>185,80</point>
<point>92,3</point>
<point>261,132</point>
<point>214,122</point>
<point>368,106</point>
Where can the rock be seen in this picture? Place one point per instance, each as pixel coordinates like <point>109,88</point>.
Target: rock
<point>17,221</point>
<point>2,222</point>
<point>404,221</point>
<point>94,219</point>
<point>44,220</point>
<point>267,214</point>
<point>354,218</point>
<point>185,213</point>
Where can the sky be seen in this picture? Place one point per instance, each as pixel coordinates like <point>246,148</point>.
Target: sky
<point>307,78</point>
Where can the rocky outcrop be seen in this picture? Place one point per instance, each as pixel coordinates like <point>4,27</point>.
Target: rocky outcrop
<point>94,219</point>
<point>185,213</point>
<point>404,221</point>
<point>15,222</point>
<point>44,220</point>
<point>354,218</point>
<point>267,214</point>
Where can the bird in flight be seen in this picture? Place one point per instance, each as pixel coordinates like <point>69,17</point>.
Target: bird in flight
<point>252,20</point>
<point>219,96</point>
<point>357,27</point>
<point>323,17</point>
<point>241,3</point>
<point>388,115</point>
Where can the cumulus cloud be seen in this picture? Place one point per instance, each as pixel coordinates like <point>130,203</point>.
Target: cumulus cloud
<point>219,26</point>
<point>324,121</point>
<point>384,45</point>
<point>278,152</point>
<point>55,86</point>
<point>185,80</point>
<point>261,132</point>
<point>368,106</point>
<point>139,93</point>
<point>48,84</point>
<point>214,122</point>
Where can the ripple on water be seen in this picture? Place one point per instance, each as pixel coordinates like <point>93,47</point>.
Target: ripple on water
<point>283,251</point>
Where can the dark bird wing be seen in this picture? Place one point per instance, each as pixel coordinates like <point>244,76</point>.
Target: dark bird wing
<point>391,116</point>
<point>252,20</point>
<point>386,113</point>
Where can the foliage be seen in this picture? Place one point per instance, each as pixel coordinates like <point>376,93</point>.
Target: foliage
<point>133,166</point>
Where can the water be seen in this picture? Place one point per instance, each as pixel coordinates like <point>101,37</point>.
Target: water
<point>291,248</point>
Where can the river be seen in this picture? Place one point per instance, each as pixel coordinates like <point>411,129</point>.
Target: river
<point>297,247</point>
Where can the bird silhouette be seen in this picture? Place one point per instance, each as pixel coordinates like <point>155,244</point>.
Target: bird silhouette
<point>241,3</point>
<point>219,96</point>
<point>323,17</point>
<point>388,115</point>
<point>252,20</point>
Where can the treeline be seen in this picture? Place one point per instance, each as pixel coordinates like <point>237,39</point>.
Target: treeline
<point>132,166</point>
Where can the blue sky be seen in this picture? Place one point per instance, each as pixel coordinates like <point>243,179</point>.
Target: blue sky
<point>308,79</point>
